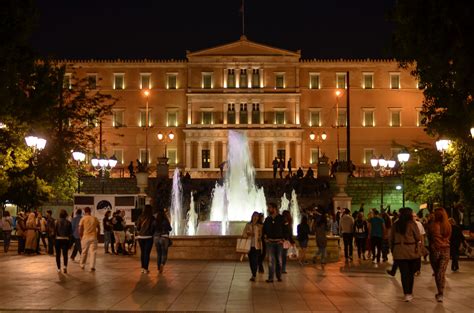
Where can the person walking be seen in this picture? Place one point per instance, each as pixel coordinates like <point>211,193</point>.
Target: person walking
<point>457,238</point>
<point>275,167</point>
<point>361,232</point>
<point>43,232</point>
<point>108,233</point>
<point>274,235</point>
<point>320,230</point>
<point>263,252</point>
<point>51,226</point>
<point>253,230</point>
<point>281,166</point>
<point>146,229</point>
<point>439,232</point>
<point>162,239</point>
<point>7,227</point>
<point>290,166</point>
<point>118,227</point>
<point>89,230</point>
<point>75,234</point>
<point>288,238</point>
<point>302,236</point>
<point>63,231</point>
<point>31,234</point>
<point>376,229</point>
<point>346,228</point>
<point>386,235</point>
<point>404,241</point>
<point>21,232</point>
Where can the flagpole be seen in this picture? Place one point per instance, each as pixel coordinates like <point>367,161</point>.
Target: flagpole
<point>243,17</point>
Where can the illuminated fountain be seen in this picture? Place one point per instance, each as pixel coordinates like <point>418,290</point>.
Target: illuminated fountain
<point>238,197</point>
<point>191,218</point>
<point>284,203</point>
<point>295,211</point>
<point>176,210</point>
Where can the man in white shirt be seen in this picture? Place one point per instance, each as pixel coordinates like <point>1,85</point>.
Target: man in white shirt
<point>89,230</point>
<point>346,228</point>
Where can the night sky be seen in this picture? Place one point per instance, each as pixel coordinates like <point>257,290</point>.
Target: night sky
<point>166,29</point>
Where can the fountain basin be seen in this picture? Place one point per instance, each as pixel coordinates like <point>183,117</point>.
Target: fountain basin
<point>214,228</point>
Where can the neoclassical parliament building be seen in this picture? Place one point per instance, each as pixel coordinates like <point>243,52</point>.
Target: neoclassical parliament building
<point>283,103</point>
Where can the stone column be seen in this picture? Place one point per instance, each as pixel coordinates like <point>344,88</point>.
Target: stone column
<point>298,155</point>
<point>297,112</point>
<point>190,113</point>
<point>275,148</point>
<point>237,113</point>
<point>189,164</point>
<point>224,111</point>
<point>213,154</point>
<point>287,150</point>
<point>262,154</point>
<point>199,155</point>
<point>262,114</point>
<point>224,151</point>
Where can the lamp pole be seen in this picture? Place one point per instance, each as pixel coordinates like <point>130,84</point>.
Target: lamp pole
<point>79,157</point>
<point>381,165</point>
<point>442,145</point>
<point>319,139</point>
<point>403,157</point>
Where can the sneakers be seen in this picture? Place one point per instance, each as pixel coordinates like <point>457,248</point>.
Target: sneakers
<point>374,261</point>
<point>390,272</point>
<point>58,270</point>
<point>93,269</point>
<point>252,278</point>
<point>82,267</point>
<point>439,298</point>
<point>144,271</point>
<point>269,281</point>
<point>65,270</point>
<point>161,268</point>
<point>408,298</point>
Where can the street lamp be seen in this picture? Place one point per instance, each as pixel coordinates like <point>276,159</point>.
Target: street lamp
<point>442,145</point>
<point>403,157</point>
<point>165,139</point>
<point>381,165</point>
<point>103,164</point>
<point>36,143</point>
<point>79,157</point>
<point>472,132</point>
<point>318,139</point>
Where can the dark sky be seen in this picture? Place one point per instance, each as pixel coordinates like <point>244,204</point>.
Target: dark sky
<point>167,28</point>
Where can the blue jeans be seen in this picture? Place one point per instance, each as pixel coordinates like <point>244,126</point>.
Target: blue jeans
<point>322,252</point>
<point>284,257</point>
<point>145,251</point>
<point>274,251</point>
<point>107,240</point>
<point>77,248</point>
<point>254,256</point>
<point>62,246</point>
<point>161,244</point>
<point>7,235</point>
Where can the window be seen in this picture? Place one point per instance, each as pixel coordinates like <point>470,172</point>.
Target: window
<point>314,156</point>
<point>343,154</point>
<point>172,156</point>
<point>280,117</point>
<point>255,78</point>
<point>279,80</point>
<point>368,118</point>
<point>92,81</point>
<point>281,154</point>
<point>118,81</point>
<point>171,81</point>
<point>243,114</point>
<point>145,79</point>
<point>119,155</point>
<point>144,156</point>
<point>419,117</point>
<point>230,78</point>
<point>395,116</point>
<point>340,80</point>
<point>314,81</point>
<point>67,83</point>
<point>342,118</point>
<point>255,113</point>
<point>315,118</point>
<point>394,80</point>
<point>368,80</point>
<point>143,117</point>
<point>206,158</point>
<point>117,118</point>
<point>368,154</point>
<point>207,80</point>
<point>231,113</point>
<point>243,81</point>
<point>207,118</point>
<point>172,118</point>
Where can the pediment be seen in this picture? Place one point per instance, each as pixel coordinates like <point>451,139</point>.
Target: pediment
<point>243,47</point>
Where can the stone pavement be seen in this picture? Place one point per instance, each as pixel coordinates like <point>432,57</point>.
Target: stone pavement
<point>31,283</point>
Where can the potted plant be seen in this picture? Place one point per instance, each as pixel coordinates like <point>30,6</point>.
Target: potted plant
<point>342,173</point>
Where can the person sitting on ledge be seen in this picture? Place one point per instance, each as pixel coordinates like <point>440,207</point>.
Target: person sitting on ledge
<point>299,173</point>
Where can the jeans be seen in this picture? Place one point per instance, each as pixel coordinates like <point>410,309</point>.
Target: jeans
<point>284,258</point>
<point>454,259</point>
<point>261,257</point>
<point>21,244</point>
<point>322,252</point>
<point>108,241</point>
<point>407,271</point>
<point>376,243</point>
<point>7,235</point>
<point>254,256</point>
<point>145,250</point>
<point>89,249</point>
<point>61,245</point>
<point>347,238</point>
<point>360,242</point>
<point>385,249</point>
<point>51,244</point>
<point>274,250</point>
<point>161,244</point>
<point>77,248</point>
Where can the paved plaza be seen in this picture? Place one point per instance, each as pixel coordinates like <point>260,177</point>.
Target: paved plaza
<point>32,284</point>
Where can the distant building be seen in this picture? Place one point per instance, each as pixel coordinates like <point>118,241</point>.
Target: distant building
<point>271,94</point>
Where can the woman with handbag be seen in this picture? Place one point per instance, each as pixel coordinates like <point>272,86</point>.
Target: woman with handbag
<point>63,231</point>
<point>253,232</point>
<point>405,240</point>
<point>288,236</point>
<point>162,239</point>
<point>146,229</point>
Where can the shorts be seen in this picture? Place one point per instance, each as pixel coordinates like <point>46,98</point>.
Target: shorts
<point>303,243</point>
<point>119,236</point>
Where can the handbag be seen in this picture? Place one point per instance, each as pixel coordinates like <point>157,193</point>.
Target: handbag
<point>286,244</point>
<point>293,253</point>
<point>243,245</point>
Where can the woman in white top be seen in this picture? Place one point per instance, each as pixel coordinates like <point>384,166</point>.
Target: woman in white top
<point>253,230</point>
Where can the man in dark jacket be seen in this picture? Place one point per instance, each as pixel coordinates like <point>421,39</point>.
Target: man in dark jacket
<point>275,167</point>
<point>274,234</point>
<point>457,238</point>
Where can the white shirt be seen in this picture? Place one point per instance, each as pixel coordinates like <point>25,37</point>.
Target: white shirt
<point>420,228</point>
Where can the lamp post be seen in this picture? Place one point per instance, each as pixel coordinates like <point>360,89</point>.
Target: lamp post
<point>472,132</point>
<point>103,164</point>
<point>442,145</point>
<point>37,144</point>
<point>318,139</point>
<point>381,165</point>
<point>165,139</point>
<point>79,157</point>
<point>146,93</point>
<point>338,94</point>
<point>403,157</point>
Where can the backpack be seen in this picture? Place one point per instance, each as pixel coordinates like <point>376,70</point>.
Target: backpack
<point>360,229</point>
